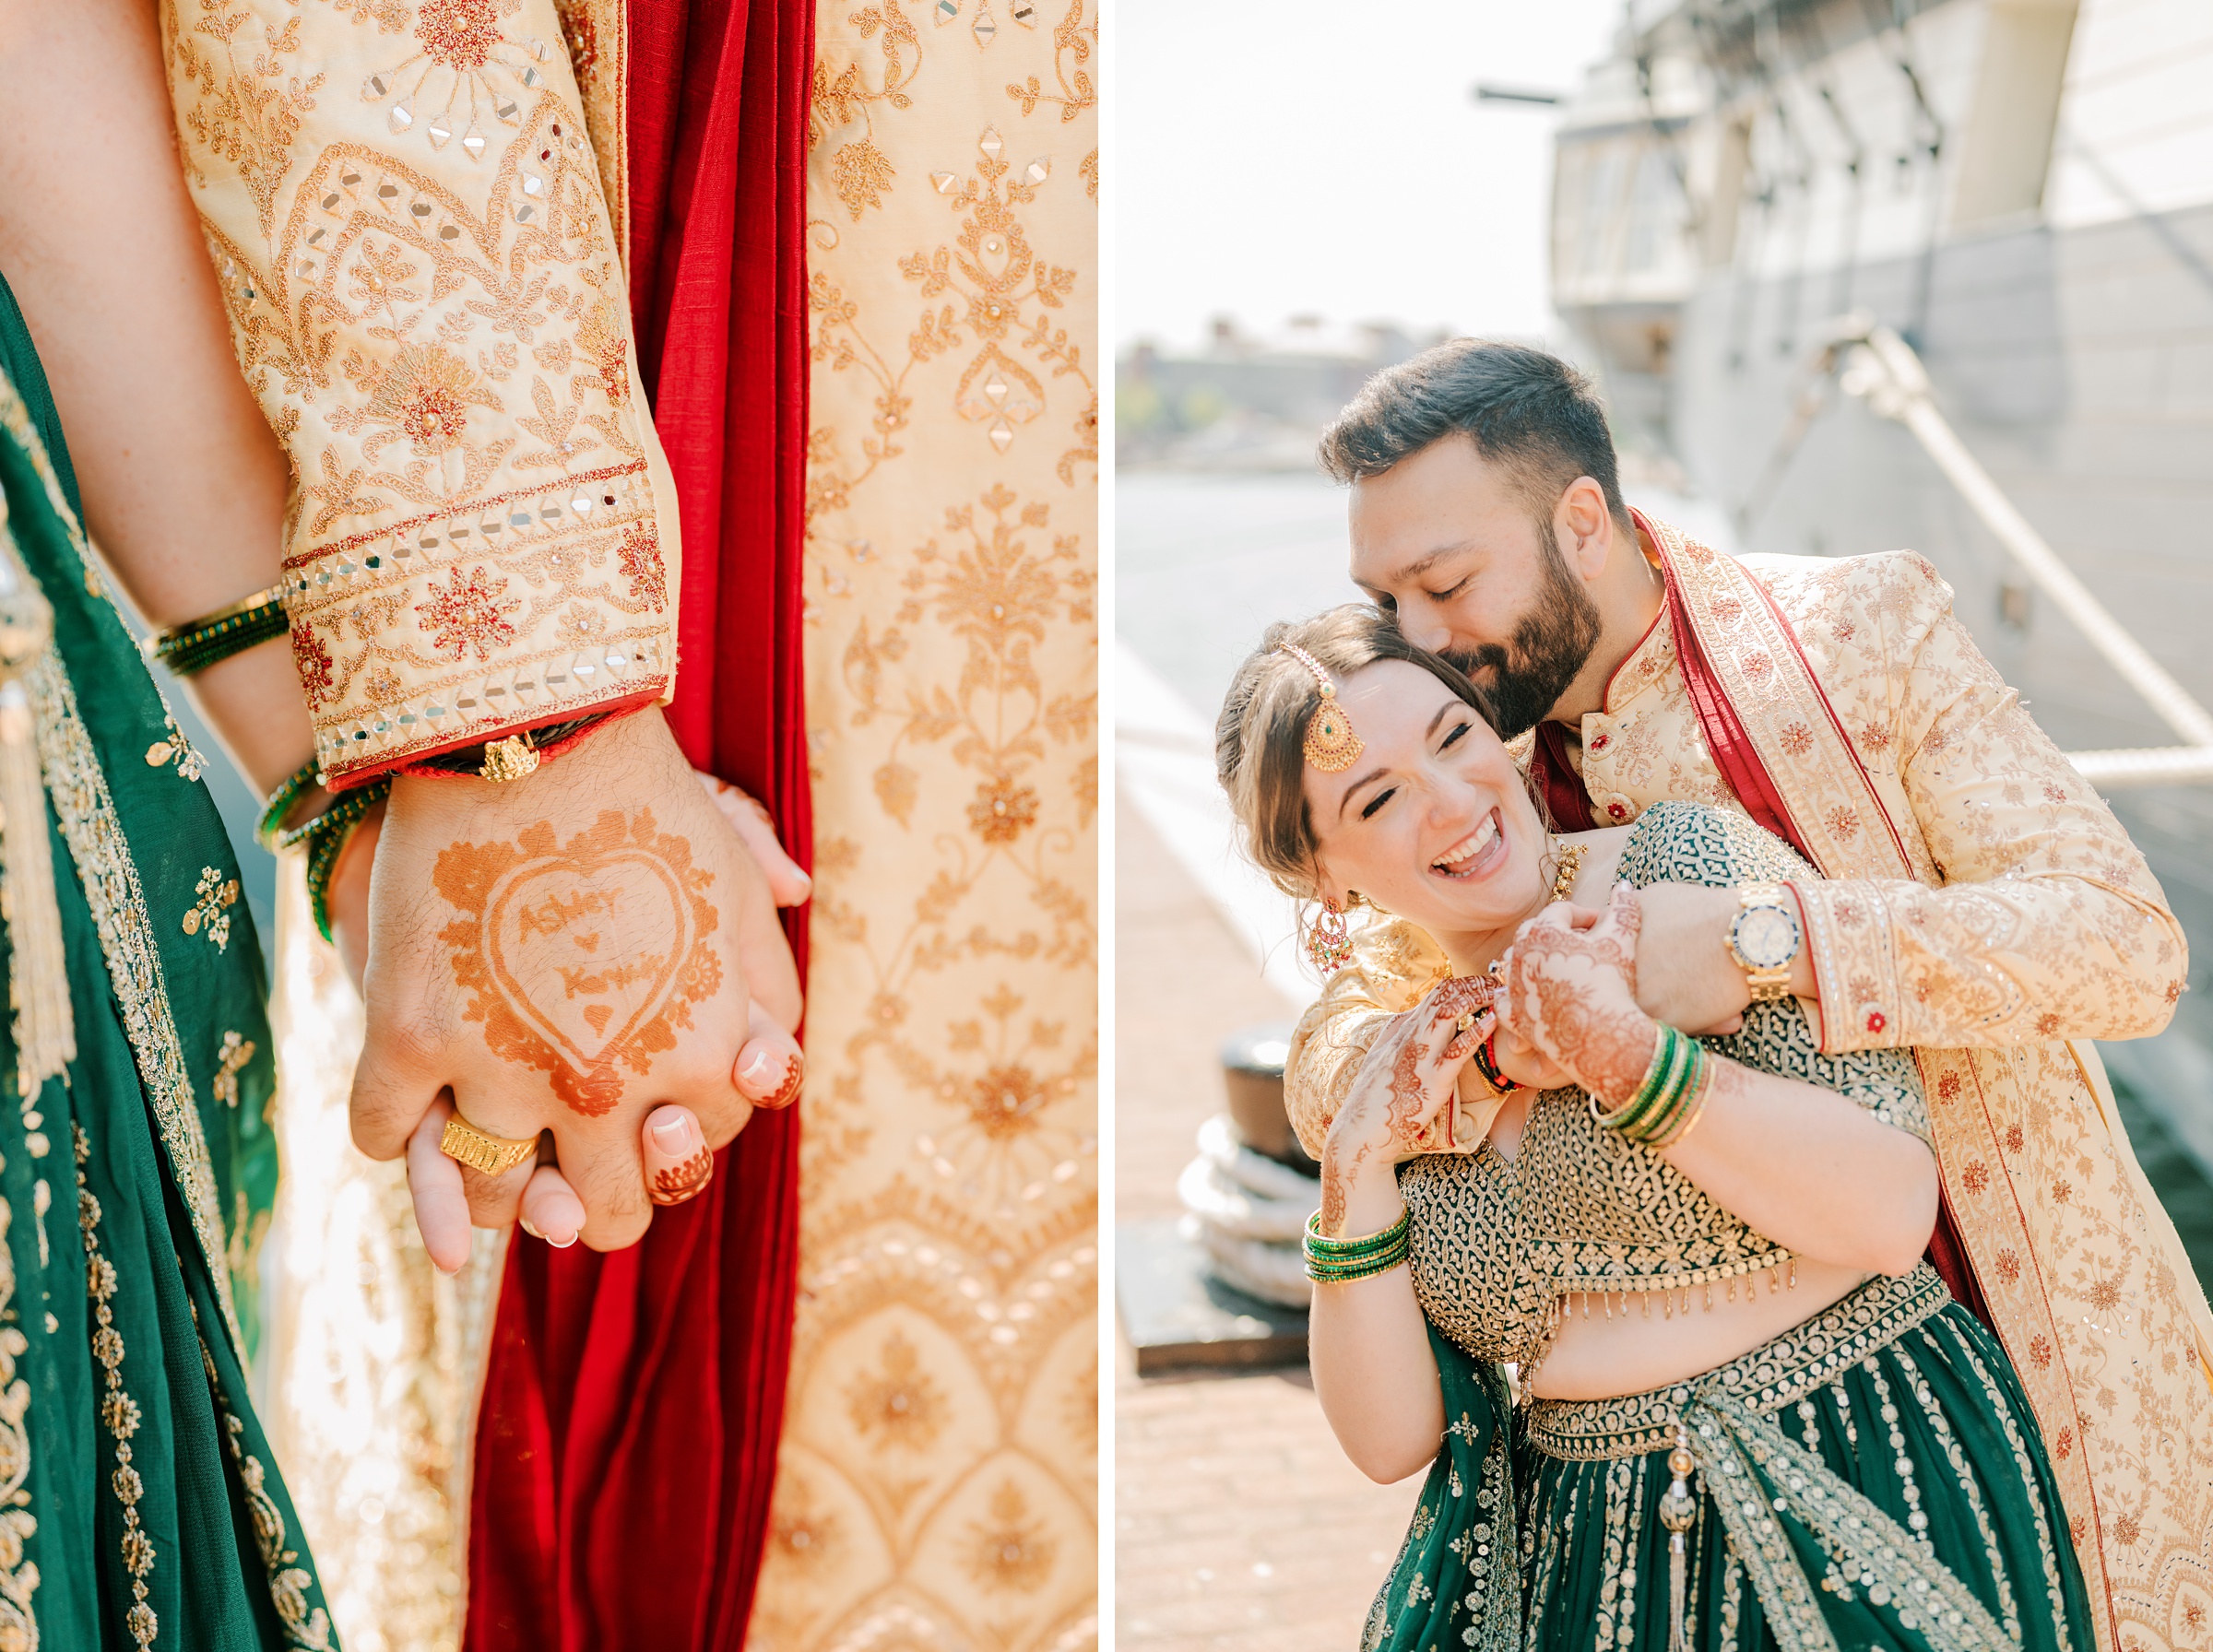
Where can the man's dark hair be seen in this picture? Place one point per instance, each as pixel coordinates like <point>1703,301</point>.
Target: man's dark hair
<point>1527,411</point>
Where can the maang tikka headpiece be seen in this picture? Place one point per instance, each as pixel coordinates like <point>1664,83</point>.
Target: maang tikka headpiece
<point>1331,743</point>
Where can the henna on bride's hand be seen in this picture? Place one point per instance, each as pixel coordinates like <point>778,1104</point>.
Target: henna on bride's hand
<point>1559,1001</point>
<point>1463,1042</point>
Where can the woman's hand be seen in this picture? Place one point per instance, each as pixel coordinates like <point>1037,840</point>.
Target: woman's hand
<point>1572,994</point>
<point>1407,1079</point>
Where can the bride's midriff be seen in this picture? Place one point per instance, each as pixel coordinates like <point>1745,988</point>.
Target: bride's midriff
<point>1608,1345</point>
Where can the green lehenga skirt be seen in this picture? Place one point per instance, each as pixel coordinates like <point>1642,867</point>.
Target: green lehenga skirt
<point>1872,1479</point>
<point>139,1505</point>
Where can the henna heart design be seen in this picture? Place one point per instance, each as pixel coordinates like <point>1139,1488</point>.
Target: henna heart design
<point>584,957</point>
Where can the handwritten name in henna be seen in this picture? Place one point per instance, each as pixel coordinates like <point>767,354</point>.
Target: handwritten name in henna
<point>586,981</point>
<point>686,1181</point>
<point>556,915</point>
<point>515,943</point>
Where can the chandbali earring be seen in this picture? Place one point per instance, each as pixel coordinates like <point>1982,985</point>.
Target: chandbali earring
<point>1329,942</point>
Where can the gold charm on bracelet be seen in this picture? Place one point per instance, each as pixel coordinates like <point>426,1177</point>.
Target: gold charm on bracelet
<point>494,1155</point>
<point>510,759</point>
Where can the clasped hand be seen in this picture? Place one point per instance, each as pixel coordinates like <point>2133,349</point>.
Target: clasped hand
<point>1561,1008</point>
<point>589,956</point>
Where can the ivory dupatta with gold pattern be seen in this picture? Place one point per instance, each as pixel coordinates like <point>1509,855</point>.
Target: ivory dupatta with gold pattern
<point>938,1481</point>
<point>1984,908</point>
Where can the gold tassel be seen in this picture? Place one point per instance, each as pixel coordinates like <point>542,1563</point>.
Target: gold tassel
<point>1676,1512</point>
<point>38,972</point>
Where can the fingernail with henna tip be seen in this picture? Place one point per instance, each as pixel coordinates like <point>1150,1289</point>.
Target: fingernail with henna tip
<point>561,1244</point>
<point>676,1135</point>
<point>760,1072</point>
<point>524,1222</point>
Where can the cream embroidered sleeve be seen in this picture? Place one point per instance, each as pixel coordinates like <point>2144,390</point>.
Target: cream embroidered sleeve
<point>2048,924</point>
<point>1330,1042</point>
<point>407,216</point>
<point>1395,966</point>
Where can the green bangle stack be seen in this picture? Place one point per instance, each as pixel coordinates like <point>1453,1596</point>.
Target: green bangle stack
<point>1668,1102</point>
<point>268,830</point>
<point>247,623</point>
<point>1338,1262</point>
<point>325,835</point>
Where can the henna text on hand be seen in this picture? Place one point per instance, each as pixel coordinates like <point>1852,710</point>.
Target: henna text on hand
<point>582,957</point>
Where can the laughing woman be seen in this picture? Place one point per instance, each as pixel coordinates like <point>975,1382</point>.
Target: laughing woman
<point>1749,1414</point>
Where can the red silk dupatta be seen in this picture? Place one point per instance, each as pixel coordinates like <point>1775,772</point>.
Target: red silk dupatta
<point>626,1443</point>
<point>1736,754</point>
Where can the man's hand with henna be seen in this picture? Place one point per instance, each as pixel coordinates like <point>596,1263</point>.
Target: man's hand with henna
<point>569,952</point>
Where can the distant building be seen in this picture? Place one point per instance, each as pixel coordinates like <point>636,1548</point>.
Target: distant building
<point>1246,402</point>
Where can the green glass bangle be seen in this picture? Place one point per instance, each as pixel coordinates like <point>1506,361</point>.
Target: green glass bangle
<point>1322,1275</point>
<point>1667,1115</point>
<point>1337,1250</point>
<point>268,828</point>
<point>1666,1054</point>
<point>325,837</point>
<point>1686,1117</point>
<point>192,648</point>
<point>1676,1061</point>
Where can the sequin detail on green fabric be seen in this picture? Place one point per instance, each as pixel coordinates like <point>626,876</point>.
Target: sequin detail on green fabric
<point>306,1625</point>
<point>19,1582</point>
<point>78,789</point>
<point>118,1413</point>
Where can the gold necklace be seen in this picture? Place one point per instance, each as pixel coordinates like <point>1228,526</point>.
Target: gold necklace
<point>1570,859</point>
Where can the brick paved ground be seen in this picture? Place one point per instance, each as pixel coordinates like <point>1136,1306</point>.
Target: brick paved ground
<point>1239,1525</point>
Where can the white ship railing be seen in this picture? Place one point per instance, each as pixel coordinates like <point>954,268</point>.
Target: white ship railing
<point>1874,363</point>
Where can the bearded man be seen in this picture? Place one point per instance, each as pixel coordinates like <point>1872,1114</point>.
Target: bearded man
<point>1980,905</point>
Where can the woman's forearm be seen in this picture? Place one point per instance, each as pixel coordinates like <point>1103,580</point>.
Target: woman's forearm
<point>1369,1347</point>
<point>184,484</point>
<point>1812,1170</point>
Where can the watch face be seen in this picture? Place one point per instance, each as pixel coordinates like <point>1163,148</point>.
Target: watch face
<point>1767,936</point>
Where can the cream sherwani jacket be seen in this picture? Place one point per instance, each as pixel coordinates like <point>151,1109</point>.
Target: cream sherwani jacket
<point>2031,924</point>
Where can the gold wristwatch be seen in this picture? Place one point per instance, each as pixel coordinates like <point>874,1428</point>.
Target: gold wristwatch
<point>1764,939</point>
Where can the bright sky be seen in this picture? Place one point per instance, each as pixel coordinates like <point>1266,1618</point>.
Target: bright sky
<point>1287,156</point>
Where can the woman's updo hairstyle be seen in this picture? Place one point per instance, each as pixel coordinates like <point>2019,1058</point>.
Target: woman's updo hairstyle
<point>1259,741</point>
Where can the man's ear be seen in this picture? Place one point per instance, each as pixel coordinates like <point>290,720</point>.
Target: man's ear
<point>1583,527</point>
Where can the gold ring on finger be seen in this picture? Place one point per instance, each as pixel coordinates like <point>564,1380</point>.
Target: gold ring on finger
<point>480,1151</point>
<point>1467,1020</point>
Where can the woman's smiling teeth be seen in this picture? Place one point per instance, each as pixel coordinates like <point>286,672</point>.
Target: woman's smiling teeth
<point>1475,852</point>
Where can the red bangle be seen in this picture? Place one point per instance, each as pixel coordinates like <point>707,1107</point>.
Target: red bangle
<point>1486,1062</point>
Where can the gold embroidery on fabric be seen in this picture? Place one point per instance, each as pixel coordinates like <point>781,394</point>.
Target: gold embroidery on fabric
<point>176,749</point>
<point>18,1576</point>
<point>1074,39</point>
<point>117,1410</point>
<point>230,1061</point>
<point>78,789</point>
<point>992,272</point>
<point>1777,1373</point>
<point>211,913</point>
<point>429,305</point>
<point>305,1628</point>
<point>947,1200</point>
